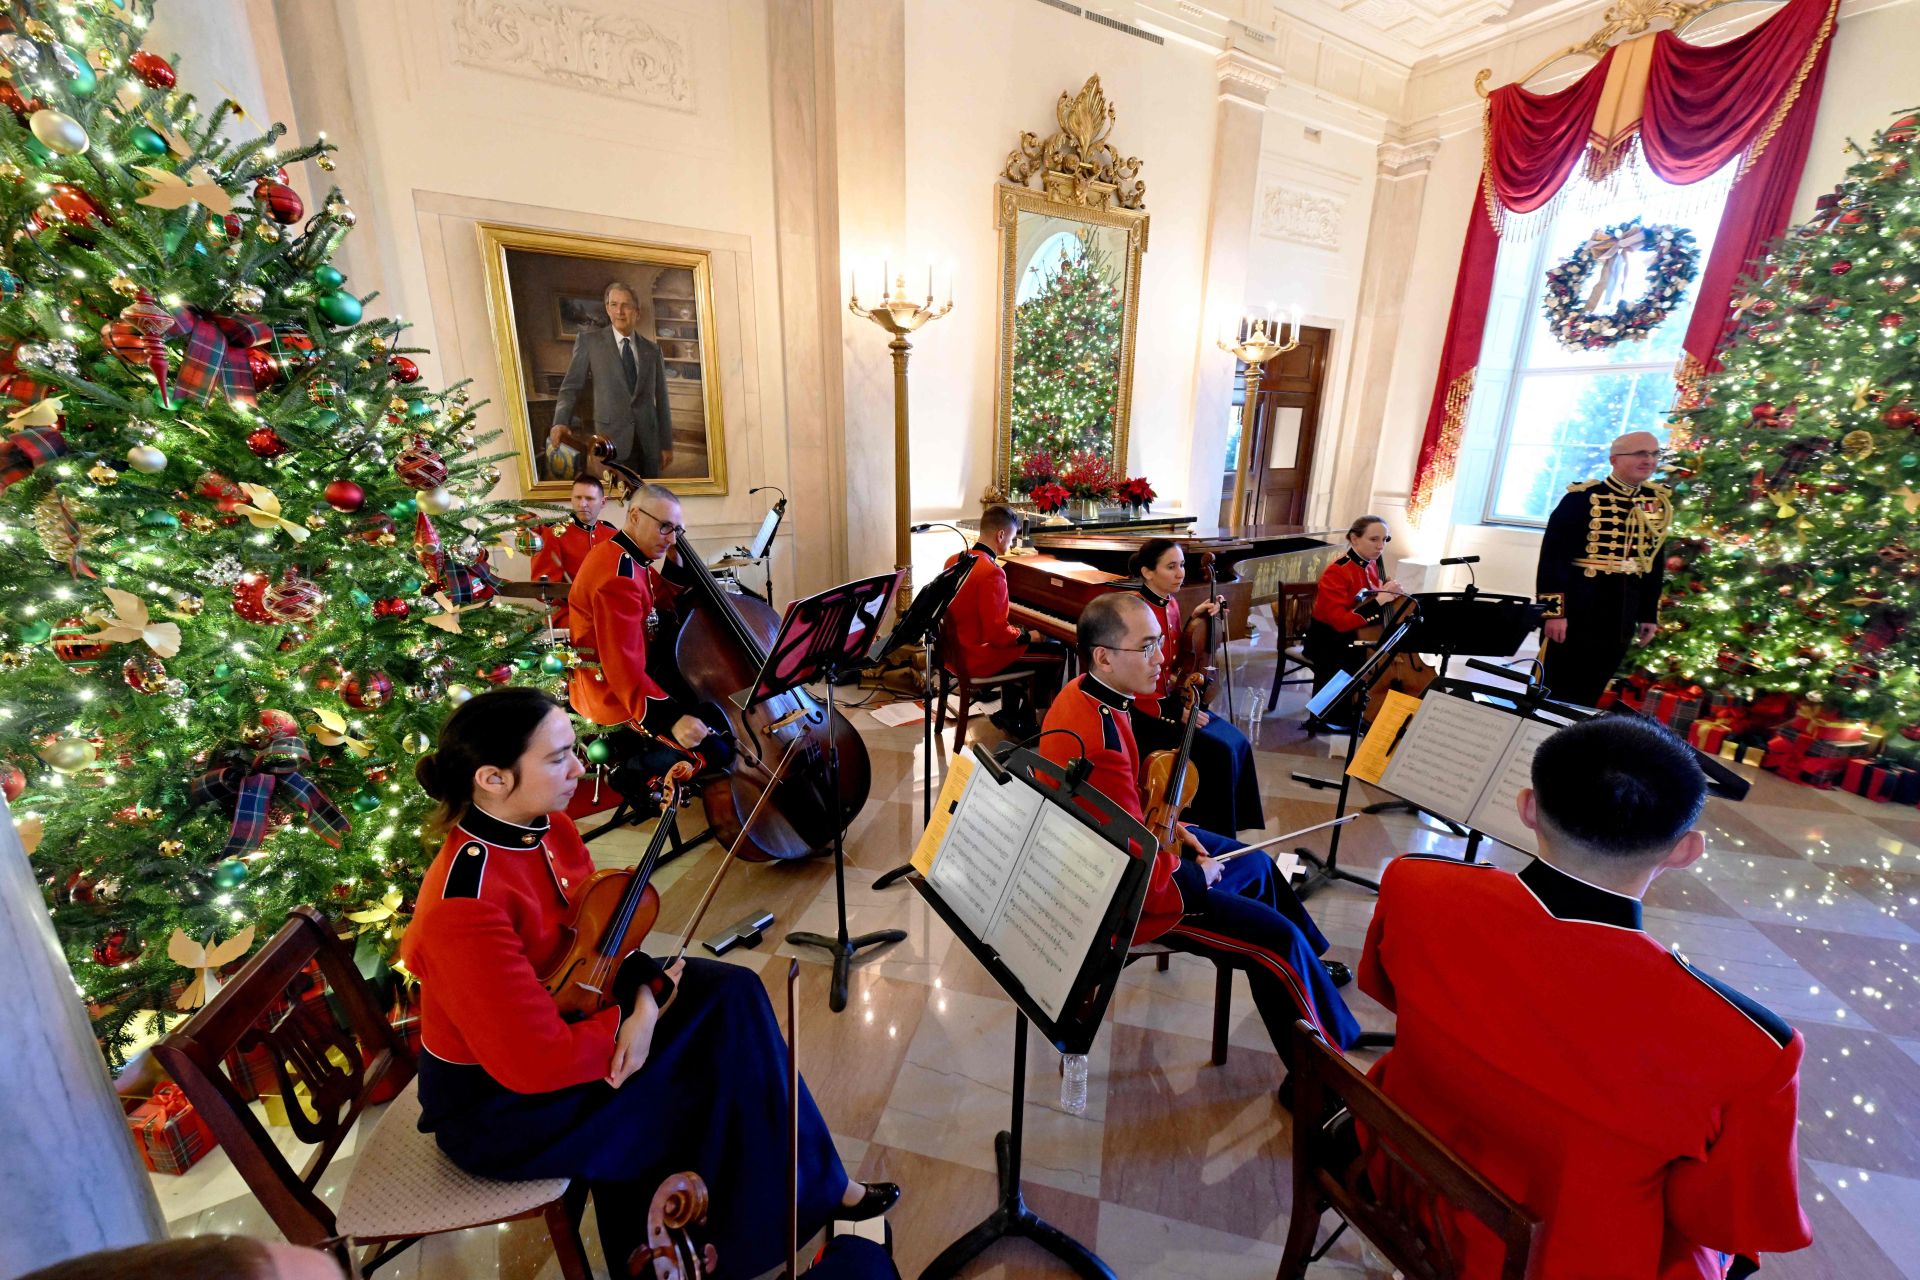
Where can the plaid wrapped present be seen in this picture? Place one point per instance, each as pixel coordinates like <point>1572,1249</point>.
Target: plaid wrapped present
<point>1814,748</point>
<point>1743,751</point>
<point>251,1072</point>
<point>1880,780</point>
<point>169,1133</point>
<point>1709,735</point>
<point>1676,706</point>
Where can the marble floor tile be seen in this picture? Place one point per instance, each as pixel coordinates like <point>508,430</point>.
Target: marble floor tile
<point>1879,977</point>
<point>1859,1101</point>
<point>1843,1245</point>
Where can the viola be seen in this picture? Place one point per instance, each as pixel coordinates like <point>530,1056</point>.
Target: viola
<point>610,917</point>
<point>1172,777</point>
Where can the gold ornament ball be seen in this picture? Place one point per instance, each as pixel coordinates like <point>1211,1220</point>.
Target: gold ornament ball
<point>267,231</point>
<point>172,848</point>
<point>189,603</point>
<point>125,286</point>
<point>201,524</point>
<point>103,475</point>
<point>1857,445</point>
<point>458,693</point>
<point>378,344</point>
<point>325,162</point>
<point>249,297</point>
<point>13,660</point>
<point>316,522</point>
<point>385,540</point>
<point>438,500</point>
<point>70,755</point>
<point>396,405</point>
<point>415,742</point>
<point>146,459</point>
<point>59,132</point>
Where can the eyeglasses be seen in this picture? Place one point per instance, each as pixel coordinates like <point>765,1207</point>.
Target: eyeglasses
<point>670,530</point>
<point>1148,647</point>
<point>1651,455</point>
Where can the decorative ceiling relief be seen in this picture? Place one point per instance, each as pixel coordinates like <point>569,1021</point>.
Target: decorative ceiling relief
<point>621,54</point>
<point>1300,215</point>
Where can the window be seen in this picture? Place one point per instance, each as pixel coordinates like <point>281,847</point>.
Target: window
<point>1542,415</point>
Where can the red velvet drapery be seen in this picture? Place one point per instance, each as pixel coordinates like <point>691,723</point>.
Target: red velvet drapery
<point>1704,104</point>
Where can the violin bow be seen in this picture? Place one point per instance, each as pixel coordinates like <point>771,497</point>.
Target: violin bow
<point>713,886</point>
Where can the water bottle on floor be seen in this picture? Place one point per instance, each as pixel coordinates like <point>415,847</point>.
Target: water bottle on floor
<point>1073,1083</point>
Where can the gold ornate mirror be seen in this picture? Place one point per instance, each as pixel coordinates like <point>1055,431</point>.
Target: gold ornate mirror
<point>1072,230</point>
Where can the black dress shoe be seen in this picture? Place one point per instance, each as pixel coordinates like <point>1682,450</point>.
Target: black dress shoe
<point>880,1197</point>
<point>1340,974</point>
<point>1015,725</point>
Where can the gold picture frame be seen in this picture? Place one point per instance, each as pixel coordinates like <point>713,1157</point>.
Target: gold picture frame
<point>529,271</point>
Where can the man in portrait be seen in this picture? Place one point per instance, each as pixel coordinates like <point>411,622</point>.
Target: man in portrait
<point>629,391</point>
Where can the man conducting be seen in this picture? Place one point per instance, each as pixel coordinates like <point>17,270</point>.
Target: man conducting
<point>629,391</point>
<point>1600,570</point>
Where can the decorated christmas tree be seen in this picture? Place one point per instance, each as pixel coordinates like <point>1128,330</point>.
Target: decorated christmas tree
<point>1068,339</point>
<point>1795,568</point>
<point>244,550</point>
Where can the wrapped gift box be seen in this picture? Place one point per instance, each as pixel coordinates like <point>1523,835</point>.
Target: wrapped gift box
<point>168,1132</point>
<point>1738,751</point>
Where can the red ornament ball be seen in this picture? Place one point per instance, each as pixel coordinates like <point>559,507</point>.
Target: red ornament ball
<point>345,495</point>
<point>277,200</point>
<point>1676,563</point>
<point>496,675</point>
<point>379,773</point>
<point>71,647</point>
<point>266,442</point>
<point>402,370</point>
<point>70,203</point>
<point>1904,129</point>
<point>1900,416</point>
<point>1892,320</point>
<point>12,782</point>
<point>115,949</point>
<point>420,466</point>
<point>293,599</point>
<point>154,71</point>
<point>249,598</point>
<point>1840,268</point>
<point>367,690</point>
<point>264,368</point>
<point>279,724</point>
<point>1766,410</point>
<point>144,673</point>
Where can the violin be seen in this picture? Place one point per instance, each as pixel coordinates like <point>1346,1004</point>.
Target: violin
<point>610,917</point>
<point>1172,777</point>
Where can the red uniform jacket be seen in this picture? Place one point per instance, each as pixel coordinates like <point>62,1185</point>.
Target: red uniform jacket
<point>1340,585</point>
<point>487,924</point>
<point>612,595</point>
<point>1099,716</point>
<point>563,550</point>
<point>979,640</point>
<point>1167,610</point>
<point>1643,1110</point>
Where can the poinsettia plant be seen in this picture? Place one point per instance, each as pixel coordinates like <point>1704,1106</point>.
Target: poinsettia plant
<point>1088,477</point>
<point>1137,492</point>
<point>1036,469</point>
<point>1049,497</point>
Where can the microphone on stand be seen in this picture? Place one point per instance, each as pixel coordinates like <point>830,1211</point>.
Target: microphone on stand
<point>1461,560</point>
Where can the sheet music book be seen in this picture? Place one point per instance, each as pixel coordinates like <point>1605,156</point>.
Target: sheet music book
<point>1467,761</point>
<point>1025,876</point>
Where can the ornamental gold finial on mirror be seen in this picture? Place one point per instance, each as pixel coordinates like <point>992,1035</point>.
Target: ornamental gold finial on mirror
<point>1077,164</point>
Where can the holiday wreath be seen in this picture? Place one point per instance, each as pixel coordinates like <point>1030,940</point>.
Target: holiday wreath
<point>1578,287</point>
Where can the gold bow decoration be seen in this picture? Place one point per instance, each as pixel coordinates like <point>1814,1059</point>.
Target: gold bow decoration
<point>130,622</point>
<point>382,915</point>
<point>1610,255</point>
<point>262,510</point>
<point>206,962</point>
<point>171,191</point>
<point>41,413</point>
<point>332,732</point>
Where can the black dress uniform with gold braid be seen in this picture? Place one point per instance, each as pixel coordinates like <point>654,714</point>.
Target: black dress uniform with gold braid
<point>1600,569</point>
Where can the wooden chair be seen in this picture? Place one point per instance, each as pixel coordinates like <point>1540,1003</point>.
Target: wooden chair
<point>401,1187</point>
<point>946,681</point>
<point>1328,1173</point>
<point>1162,956</point>
<point>1292,611</point>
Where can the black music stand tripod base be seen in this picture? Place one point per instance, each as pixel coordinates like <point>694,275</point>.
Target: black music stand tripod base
<point>1013,1218</point>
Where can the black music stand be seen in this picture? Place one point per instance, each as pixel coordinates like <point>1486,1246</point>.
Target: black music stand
<point>1073,1031</point>
<point>822,638</point>
<point>918,626</point>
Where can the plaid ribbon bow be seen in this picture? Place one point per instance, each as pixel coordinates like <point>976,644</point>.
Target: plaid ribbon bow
<point>27,449</point>
<point>248,786</point>
<point>217,353</point>
<point>468,584</point>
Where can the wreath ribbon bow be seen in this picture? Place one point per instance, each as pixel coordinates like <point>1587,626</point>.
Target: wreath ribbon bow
<point>1610,253</point>
<point>249,785</point>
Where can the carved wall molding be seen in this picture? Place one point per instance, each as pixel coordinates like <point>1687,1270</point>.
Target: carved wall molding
<point>1404,159</point>
<point>1076,164</point>
<point>620,54</point>
<point>1236,68</point>
<point>1300,215</point>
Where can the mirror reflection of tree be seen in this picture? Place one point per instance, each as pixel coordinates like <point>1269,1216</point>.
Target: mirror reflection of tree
<point>1067,335</point>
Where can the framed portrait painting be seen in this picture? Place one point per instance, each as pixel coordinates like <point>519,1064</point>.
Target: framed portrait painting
<point>606,347</point>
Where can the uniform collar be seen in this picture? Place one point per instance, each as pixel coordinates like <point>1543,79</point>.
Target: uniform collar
<point>985,550</point>
<point>1150,596</point>
<point>1099,691</point>
<point>1624,490</point>
<point>1568,897</point>
<point>631,547</point>
<point>582,524</point>
<point>1354,557</point>
<point>482,825</point>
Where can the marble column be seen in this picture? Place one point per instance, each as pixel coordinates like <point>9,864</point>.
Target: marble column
<point>1391,235</point>
<point>1239,118</point>
<point>69,1177</point>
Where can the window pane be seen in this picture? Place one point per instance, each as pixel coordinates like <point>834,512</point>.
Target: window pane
<point>1562,424</point>
<point>1286,437</point>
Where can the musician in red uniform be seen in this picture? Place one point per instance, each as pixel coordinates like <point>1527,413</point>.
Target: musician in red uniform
<point>979,641</point>
<point>1353,591</point>
<point>688,1071</point>
<point>1228,799</point>
<point>1644,1110</point>
<point>1240,912</point>
<point>564,546</point>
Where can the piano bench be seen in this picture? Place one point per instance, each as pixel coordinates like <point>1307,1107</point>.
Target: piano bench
<point>948,682</point>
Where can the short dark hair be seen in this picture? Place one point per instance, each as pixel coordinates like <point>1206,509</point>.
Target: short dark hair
<point>1149,554</point>
<point>1104,623</point>
<point>592,480</point>
<point>490,729</point>
<point>998,519</point>
<point>189,1258</point>
<point>1618,786</point>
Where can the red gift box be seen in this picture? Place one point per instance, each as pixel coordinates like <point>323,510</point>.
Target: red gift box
<point>1708,735</point>
<point>252,1072</point>
<point>169,1133</point>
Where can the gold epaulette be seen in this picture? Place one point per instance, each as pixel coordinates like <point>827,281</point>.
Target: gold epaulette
<point>1581,486</point>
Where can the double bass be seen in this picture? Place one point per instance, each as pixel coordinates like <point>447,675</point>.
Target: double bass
<point>1405,672</point>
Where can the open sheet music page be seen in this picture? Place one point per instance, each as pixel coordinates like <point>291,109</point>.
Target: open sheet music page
<point>1449,755</point>
<point>1497,814</point>
<point>1059,895</point>
<point>984,840</point>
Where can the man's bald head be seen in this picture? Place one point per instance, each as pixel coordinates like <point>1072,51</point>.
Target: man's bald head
<point>1635,457</point>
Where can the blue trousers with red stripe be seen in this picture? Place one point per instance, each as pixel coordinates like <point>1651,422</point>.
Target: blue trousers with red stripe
<point>1254,922</point>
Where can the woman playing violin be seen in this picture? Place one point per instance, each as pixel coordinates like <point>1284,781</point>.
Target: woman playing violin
<point>1353,592</point>
<point>1229,795</point>
<point>684,1070</point>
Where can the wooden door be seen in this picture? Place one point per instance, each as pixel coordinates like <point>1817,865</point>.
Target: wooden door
<point>1284,425</point>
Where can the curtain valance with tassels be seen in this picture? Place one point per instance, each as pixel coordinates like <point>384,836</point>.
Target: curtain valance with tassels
<point>1690,110</point>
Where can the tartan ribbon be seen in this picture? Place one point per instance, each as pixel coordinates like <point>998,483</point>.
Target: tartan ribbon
<point>469,584</point>
<point>216,353</point>
<point>249,786</point>
<point>169,1099</point>
<point>28,449</point>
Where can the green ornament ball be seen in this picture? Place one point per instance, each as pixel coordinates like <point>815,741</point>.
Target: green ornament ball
<point>1856,619</point>
<point>325,420</point>
<point>1910,460</point>
<point>418,408</point>
<point>39,631</point>
<point>222,671</point>
<point>328,277</point>
<point>360,598</point>
<point>410,586</point>
<point>339,308</point>
<point>1830,576</point>
<point>160,520</point>
<point>553,664</point>
<point>1906,339</point>
<point>365,802</point>
<point>523,663</point>
<point>148,142</point>
<point>83,81</point>
<point>405,509</point>
<point>598,752</point>
<point>230,874</point>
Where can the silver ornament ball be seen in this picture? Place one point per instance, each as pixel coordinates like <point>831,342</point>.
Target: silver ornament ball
<point>59,132</point>
<point>146,459</point>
